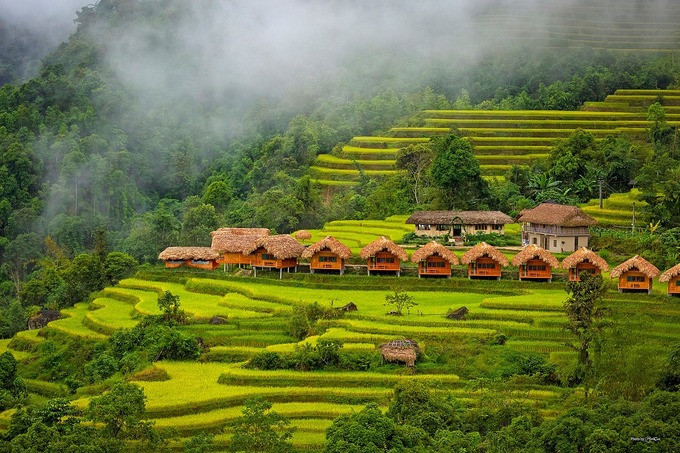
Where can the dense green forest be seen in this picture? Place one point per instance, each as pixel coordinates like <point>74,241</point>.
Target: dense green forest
<point>98,176</point>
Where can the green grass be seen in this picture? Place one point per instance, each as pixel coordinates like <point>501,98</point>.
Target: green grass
<point>73,324</point>
<point>618,209</point>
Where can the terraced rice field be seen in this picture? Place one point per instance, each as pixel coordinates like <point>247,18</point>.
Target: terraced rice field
<point>500,138</point>
<point>208,394</point>
<point>356,234</point>
<point>649,26</point>
<point>617,210</point>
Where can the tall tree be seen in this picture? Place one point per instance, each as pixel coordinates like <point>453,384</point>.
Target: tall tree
<point>585,321</point>
<point>456,172</point>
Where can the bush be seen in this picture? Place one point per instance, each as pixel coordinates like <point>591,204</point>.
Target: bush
<point>299,326</point>
<point>101,367</point>
<point>355,361</point>
<point>268,360</point>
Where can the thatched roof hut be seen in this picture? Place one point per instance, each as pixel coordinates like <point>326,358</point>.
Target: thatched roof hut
<point>670,274</point>
<point>434,248</point>
<point>584,254</point>
<point>328,243</point>
<point>188,253</point>
<point>282,246</point>
<point>234,240</point>
<point>381,244</point>
<point>556,214</point>
<point>636,262</point>
<point>459,217</point>
<point>405,351</point>
<point>484,249</point>
<point>534,251</point>
<point>303,235</point>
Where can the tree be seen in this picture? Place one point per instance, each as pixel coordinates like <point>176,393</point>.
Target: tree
<point>122,413</point>
<point>11,386</point>
<point>198,222</point>
<point>169,305</point>
<point>416,160</point>
<point>585,321</point>
<point>299,326</point>
<point>117,266</point>
<point>261,429</point>
<point>400,300</point>
<point>217,194</point>
<point>456,172</point>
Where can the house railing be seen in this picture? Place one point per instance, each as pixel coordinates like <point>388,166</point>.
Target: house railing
<point>557,231</point>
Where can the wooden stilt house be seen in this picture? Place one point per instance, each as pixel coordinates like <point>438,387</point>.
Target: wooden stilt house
<point>328,254</point>
<point>274,252</point>
<point>434,260</point>
<point>584,260</point>
<point>635,274</point>
<point>535,263</point>
<point>198,257</point>
<point>383,255</point>
<point>484,261</point>
<point>231,242</point>
<point>672,277</point>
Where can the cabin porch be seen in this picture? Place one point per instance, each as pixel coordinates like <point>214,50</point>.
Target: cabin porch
<point>535,269</point>
<point>383,262</point>
<point>484,267</point>
<point>434,266</point>
<point>636,281</point>
<point>585,266</point>
<point>674,286</point>
<point>327,261</point>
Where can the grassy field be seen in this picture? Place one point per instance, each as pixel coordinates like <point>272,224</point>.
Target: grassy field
<point>617,210</point>
<point>501,138</point>
<point>208,394</point>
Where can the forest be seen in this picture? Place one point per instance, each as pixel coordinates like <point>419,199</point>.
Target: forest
<point>106,160</point>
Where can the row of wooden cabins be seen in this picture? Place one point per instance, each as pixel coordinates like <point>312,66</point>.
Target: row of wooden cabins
<point>254,247</point>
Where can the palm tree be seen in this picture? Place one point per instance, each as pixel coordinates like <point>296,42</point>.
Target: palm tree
<point>543,187</point>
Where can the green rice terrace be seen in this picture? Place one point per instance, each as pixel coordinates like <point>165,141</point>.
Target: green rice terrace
<point>500,138</point>
<point>601,24</point>
<point>208,394</point>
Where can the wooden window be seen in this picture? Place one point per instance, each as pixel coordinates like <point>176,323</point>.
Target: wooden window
<point>480,227</point>
<point>386,260</point>
<point>635,278</point>
<point>200,261</point>
<point>535,267</point>
<point>555,243</point>
<point>328,259</point>
<point>496,227</point>
<point>442,228</point>
<point>175,261</point>
<point>268,256</point>
<point>486,265</point>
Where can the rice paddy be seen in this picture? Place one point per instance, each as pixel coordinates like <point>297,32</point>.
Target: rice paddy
<point>501,138</point>
<point>208,394</point>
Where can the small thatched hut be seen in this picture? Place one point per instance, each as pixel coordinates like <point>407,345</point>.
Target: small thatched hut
<point>405,351</point>
<point>584,260</point>
<point>434,260</point>
<point>383,255</point>
<point>535,263</point>
<point>274,252</point>
<point>484,261</point>
<point>672,276</point>
<point>303,235</point>
<point>635,274</point>
<point>231,242</point>
<point>198,257</point>
<point>328,254</point>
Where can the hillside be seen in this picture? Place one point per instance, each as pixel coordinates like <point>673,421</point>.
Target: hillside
<point>206,396</point>
<point>500,138</point>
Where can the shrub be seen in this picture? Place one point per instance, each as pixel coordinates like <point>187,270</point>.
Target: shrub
<point>306,358</point>
<point>267,360</point>
<point>329,352</point>
<point>355,361</point>
<point>299,326</point>
<point>101,367</point>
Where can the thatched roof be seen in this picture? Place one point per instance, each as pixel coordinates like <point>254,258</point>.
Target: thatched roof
<point>670,273</point>
<point>328,243</point>
<point>381,244</point>
<point>534,251</point>
<point>235,240</point>
<point>405,351</point>
<point>282,246</point>
<point>584,254</point>
<point>636,262</point>
<point>484,249</point>
<point>434,248</point>
<point>451,217</point>
<point>303,235</point>
<point>556,214</point>
<point>188,253</point>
